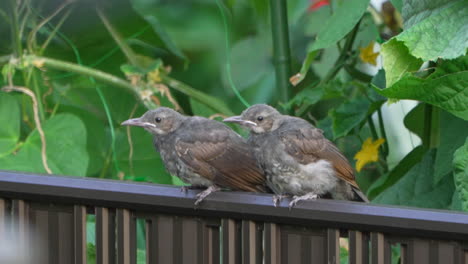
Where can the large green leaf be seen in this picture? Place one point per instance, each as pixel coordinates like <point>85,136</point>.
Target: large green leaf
<point>435,28</point>
<point>348,115</point>
<point>10,123</point>
<point>416,188</point>
<point>148,10</point>
<point>453,132</point>
<point>460,164</point>
<point>343,20</point>
<point>66,148</point>
<point>397,61</point>
<point>446,88</point>
<point>145,163</point>
<point>396,173</point>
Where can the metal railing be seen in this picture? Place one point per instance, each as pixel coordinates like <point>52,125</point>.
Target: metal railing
<point>228,227</point>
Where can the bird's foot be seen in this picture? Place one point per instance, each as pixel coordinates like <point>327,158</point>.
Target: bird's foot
<point>296,199</point>
<point>277,198</point>
<point>201,196</point>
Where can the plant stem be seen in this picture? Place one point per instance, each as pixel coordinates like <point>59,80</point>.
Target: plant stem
<point>112,80</point>
<point>340,62</point>
<point>15,36</point>
<point>372,127</point>
<point>385,149</point>
<point>431,126</point>
<point>279,25</point>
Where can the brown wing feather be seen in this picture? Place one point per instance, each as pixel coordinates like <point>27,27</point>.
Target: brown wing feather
<point>309,145</point>
<point>226,163</point>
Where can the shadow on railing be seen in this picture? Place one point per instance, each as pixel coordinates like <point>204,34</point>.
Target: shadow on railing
<point>47,215</point>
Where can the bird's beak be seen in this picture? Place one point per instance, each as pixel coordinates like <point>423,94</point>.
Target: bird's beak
<point>136,122</point>
<point>239,120</point>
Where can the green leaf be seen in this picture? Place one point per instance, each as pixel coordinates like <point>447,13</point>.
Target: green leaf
<point>446,88</point>
<point>66,148</point>
<point>343,20</point>
<point>453,132</point>
<point>397,61</point>
<point>348,115</point>
<point>10,123</point>
<point>416,188</point>
<point>460,167</point>
<point>414,121</point>
<point>147,9</point>
<point>435,28</point>
<point>398,4</point>
<point>145,163</point>
<point>396,173</point>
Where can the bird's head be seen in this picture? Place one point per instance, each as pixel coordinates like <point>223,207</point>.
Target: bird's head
<point>259,118</point>
<point>160,121</point>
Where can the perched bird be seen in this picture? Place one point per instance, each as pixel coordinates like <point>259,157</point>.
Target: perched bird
<point>297,159</point>
<point>202,152</point>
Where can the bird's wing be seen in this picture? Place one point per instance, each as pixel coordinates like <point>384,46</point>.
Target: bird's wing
<point>309,145</point>
<point>222,159</point>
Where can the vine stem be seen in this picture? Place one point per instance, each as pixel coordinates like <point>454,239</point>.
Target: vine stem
<point>28,92</point>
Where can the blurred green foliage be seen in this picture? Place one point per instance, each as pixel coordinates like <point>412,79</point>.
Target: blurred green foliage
<point>92,65</point>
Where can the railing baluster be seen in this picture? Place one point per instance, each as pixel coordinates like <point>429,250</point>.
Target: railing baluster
<point>232,242</point>
<point>126,237</point>
<point>251,243</point>
<point>79,217</point>
<point>160,240</point>
<point>105,236</point>
<point>381,251</point>
<point>272,238</point>
<point>358,248</point>
<point>4,217</point>
<point>333,246</point>
<point>20,224</point>
<point>211,242</point>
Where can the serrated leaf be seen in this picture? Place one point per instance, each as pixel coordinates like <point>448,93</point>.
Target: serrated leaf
<point>10,123</point>
<point>460,168</point>
<point>397,61</point>
<point>435,28</point>
<point>416,188</point>
<point>446,88</point>
<point>66,148</point>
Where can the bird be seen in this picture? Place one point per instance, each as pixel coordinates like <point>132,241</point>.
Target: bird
<point>297,158</point>
<point>202,152</point>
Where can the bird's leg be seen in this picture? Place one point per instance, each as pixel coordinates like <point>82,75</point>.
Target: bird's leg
<point>201,196</point>
<point>305,197</point>
<point>277,198</point>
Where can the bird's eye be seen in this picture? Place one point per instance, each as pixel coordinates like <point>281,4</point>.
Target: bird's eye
<point>157,119</point>
<point>260,118</point>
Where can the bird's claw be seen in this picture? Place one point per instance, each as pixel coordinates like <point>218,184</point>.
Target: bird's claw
<point>297,198</point>
<point>201,196</point>
<point>278,198</point>
<point>184,189</point>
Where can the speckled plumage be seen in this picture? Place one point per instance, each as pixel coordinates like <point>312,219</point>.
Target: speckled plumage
<point>202,152</point>
<point>295,156</point>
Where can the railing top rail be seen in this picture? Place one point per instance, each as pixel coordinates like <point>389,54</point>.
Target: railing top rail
<point>169,199</point>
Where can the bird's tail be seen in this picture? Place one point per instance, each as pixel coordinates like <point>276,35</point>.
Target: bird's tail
<point>360,196</point>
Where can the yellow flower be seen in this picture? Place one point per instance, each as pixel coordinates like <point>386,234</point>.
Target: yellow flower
<point>369,152</point>
<point>368,55</point>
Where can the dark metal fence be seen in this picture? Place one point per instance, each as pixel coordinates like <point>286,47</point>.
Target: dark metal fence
<point>229,227</point>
